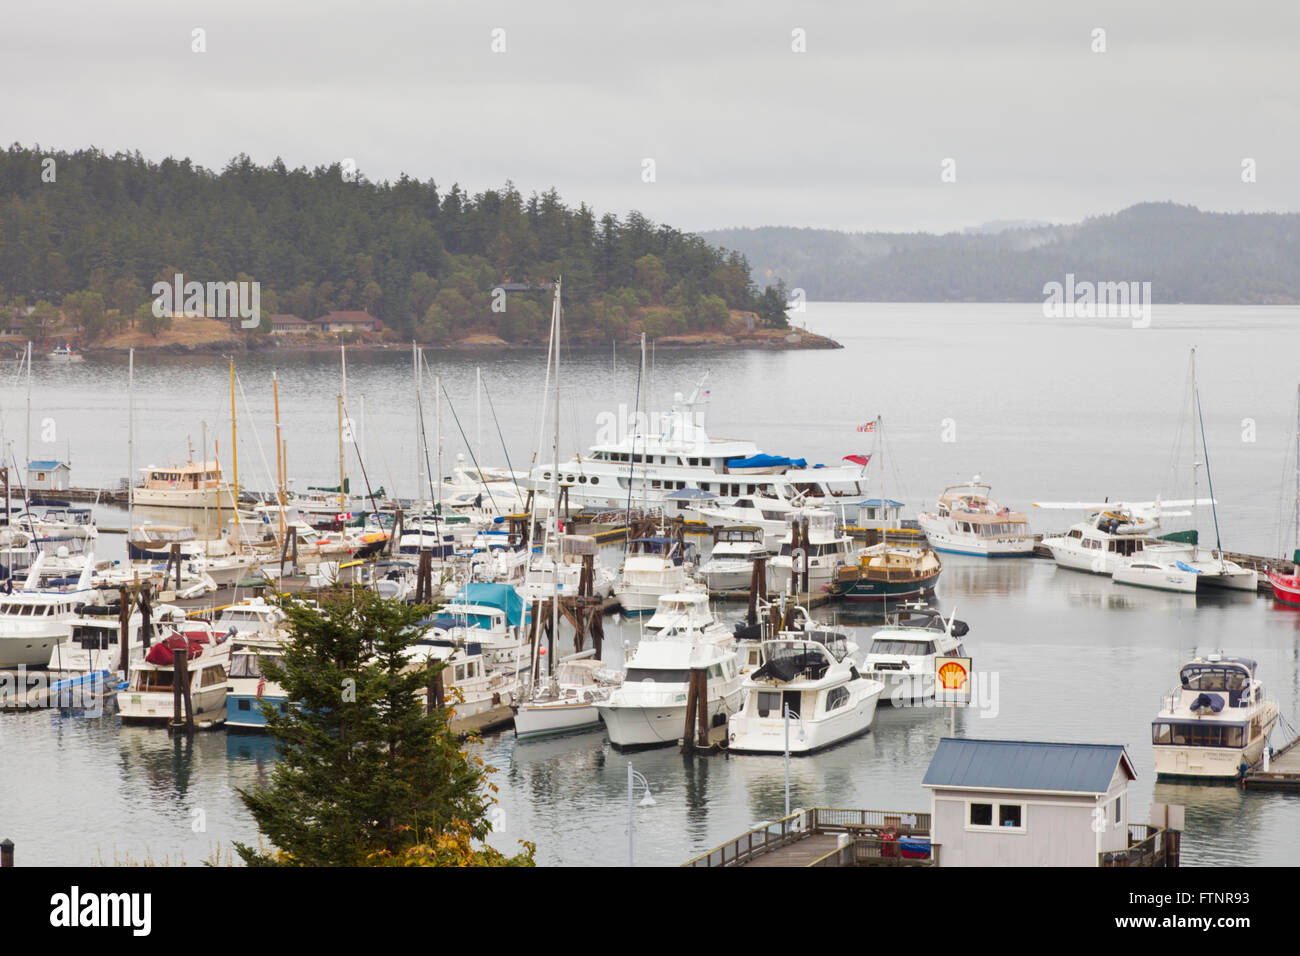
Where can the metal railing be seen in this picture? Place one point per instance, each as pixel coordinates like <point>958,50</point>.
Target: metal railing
<point>1148,846</point>
<point>866,827</point>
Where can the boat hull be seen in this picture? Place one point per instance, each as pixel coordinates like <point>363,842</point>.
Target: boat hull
<point>865,589</point>
<point>156,708</point>
<point>631,726</point>
<point>536,721</point>
<point>768,735</point>
<point>1286,588</point>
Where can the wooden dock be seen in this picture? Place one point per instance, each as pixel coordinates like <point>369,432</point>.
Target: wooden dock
<point>1283,771</point>
<point>825,836</point>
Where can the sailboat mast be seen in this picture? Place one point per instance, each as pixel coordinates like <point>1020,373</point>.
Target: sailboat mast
<point>279,453</point>
<point>234,446</point>
<point>555,484</point>
<point>27,462</point>
<point>341,458</point>
<point>1296,545</point>
<point>419,423</point>
<point>343,401</point>
<point>130,442</point>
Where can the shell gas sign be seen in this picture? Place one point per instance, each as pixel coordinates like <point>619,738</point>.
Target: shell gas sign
<point>952,680</point>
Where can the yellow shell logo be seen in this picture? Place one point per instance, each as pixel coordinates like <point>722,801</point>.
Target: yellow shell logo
<point>952,676</point>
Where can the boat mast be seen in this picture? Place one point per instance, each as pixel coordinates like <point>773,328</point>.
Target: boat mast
<point>1296,545</point>
<point>130,443</point>
<point>27,461</point>
<point>555,485</point>
<point>343,401</point>
<point>341,458</point>
<point>279,453</point>
<point>234,447</point>
<point>419,423</point>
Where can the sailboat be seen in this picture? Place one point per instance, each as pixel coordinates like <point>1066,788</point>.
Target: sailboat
<point>563,702</point>
<point>1286,587</point>
<point>1197,568</point>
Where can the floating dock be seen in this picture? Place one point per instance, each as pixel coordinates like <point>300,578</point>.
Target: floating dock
<point>1283,771</point>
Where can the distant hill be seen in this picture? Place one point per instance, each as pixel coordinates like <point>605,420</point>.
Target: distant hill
<point>1187,255</point>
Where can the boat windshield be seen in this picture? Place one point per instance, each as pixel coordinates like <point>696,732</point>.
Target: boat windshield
<point>902,648</point>
<point>656,675</point>
<point>1223,677</point>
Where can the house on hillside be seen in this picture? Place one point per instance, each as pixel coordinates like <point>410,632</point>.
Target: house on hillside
<point>348,322</point>
<point>285,323</point>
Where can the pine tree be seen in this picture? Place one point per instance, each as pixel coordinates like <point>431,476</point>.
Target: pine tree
<point>367,772</point>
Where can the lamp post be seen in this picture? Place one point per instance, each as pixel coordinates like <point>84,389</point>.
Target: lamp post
<point>788,713</point>
<point>633,778</point>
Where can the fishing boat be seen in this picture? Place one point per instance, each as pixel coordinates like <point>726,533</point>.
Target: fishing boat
<point>1215,723</point>
<point>901,655</point>
<point>811,675</point>
<point>65,353</point>
<point>966,520</point>
<point>566,702</point>
<point>649,708</point>
<point>469,685</point>
<point>886,571</point>
<point>149,695</point>
<point>730,566</point>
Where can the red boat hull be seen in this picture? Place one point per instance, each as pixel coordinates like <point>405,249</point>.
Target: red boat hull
<point>1286,588</point>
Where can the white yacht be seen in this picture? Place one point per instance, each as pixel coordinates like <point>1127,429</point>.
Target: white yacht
<point>687,614</point>
<point>811,673</point>
<point>470,686</point>
<point>491,616</point>
<point>653,567</point>
<point>1215,723</point>
<point>730,566</point>
<point>34,621</point>
<point>901,655</point>
<point>95,642</point>
<point>826,550</point>
<point>253,619</point>
<point>190,485</point>
<point>566,702</point>
<point>649,708</point>
<point>1119,541</point>
<point>669,452</point>
<point>966,520</point>
<point>148,697</point>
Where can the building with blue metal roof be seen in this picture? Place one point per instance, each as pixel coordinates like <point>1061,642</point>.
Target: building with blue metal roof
<point>1028,803</point>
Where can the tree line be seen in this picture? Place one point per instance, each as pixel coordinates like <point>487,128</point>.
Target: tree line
<point>87,234</point>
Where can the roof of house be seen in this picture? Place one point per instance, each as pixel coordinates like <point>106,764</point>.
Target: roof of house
<point>1032,766</point>
<point>46,465</point>
<point>287,318</point>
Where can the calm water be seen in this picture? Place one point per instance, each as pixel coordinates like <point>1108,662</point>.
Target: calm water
<point>1044,409</point>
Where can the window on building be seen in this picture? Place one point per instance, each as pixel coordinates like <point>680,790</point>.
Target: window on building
<point>981,814</point>
<point>1008,814</point>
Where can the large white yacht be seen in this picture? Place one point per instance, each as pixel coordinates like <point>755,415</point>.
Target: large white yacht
<point>901,655</point>
<point>811,673</point>
<point>671,452</point>
<point>1216,721</point>
<point>967,521</point>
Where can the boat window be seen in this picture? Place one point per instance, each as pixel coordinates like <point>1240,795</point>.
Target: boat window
<point>715,670</point>
<point>655,675</point>
<point>211,676</point>
<point>1213,678</point>
<point>245,665</point>
<point>1075,533</point>
<point>769,703</point>
<point>837,697</point>
<point>1198,734</point>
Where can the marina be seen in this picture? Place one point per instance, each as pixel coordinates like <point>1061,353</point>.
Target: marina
<point>999,602</point>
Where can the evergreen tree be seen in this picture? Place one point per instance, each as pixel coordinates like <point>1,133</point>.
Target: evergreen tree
<point>368,774</point>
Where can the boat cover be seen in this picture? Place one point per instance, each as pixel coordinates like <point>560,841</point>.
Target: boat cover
<point>164,652</point>
<point>767,461</point>
<point>1213,701</point>
<point>501,596</point>
<point>1186,567</point>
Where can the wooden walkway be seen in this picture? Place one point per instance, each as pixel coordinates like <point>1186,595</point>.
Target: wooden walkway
<point>800,853</point>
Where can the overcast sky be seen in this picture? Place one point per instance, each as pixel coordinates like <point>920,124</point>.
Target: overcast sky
<point>743,131</point>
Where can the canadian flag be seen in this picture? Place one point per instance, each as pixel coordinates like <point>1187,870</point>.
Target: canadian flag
<point>261,686</point>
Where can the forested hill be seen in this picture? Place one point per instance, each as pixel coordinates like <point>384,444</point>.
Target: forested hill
<point>1186,254</point>
<point>102,229</point>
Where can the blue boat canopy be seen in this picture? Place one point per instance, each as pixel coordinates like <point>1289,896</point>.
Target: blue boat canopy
<point>501,596</point>
<point>767,461</point>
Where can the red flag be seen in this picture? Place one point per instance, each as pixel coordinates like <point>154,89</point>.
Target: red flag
<point>261,686</point>
<point>858,459</point>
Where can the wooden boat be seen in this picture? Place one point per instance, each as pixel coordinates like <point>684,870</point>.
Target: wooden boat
<point>885,571</point>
